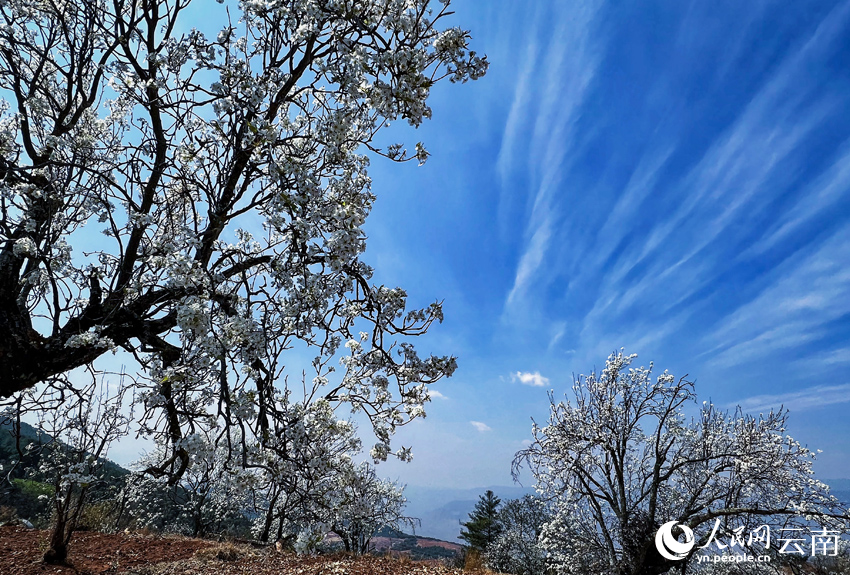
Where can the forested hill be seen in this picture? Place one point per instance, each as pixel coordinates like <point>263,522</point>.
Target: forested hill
<point>29,435</point>
<point>9,445</point>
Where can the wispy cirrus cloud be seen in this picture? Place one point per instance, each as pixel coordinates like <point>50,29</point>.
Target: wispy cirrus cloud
<point>685,200</point>
<point>531,259</point>
<point>822,195</point>
<point>528,378</point>
<point>808,294</point>
<point>572,55</point>
<point>810,398</point>
<point>648,278</point>
<point>436,394</point>
<point>482,427</point>
<point>831,357</point>
<point>517,116</point>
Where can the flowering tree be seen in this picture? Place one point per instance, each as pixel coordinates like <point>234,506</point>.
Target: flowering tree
<point>296,473</point>
<point>516,549</point>
<point>363,504</point>
<point>212,497</point>
<point>88,423</point>
<point>283,485</point>
<point>621,459</point>
<point>172,145</point>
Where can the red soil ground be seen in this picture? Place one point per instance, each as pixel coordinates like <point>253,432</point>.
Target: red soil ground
<point>136,554</point>
<point>90,553</point>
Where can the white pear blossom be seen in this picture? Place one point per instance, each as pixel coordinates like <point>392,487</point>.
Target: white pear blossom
<point>362,504</point>
<point>224,172</point>
<point>619,458</point>
<point>25,247</point>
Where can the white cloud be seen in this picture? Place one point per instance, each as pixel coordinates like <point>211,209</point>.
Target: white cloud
<point>519,108</point>
<point>532,259</point>
<point>436,394</point>
<point>809,398</point>
<point>741,171</point>
<point>572,54</point>
<point>834,356</point>
<point>820,196</point>
<point>482,427</point>
<point>561,329</point>
<point>528,378</point>
<point>807,295</point>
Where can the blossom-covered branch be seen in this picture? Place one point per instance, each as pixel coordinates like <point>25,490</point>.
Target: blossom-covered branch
<point>173,146</point>
<point>621,458</point>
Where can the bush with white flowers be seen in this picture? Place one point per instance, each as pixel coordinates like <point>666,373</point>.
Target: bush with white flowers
<point>619,458</point>
<point>363,503</point>
<point>77,432</point>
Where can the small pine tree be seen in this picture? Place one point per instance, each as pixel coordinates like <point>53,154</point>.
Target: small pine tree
<point>483,526</point>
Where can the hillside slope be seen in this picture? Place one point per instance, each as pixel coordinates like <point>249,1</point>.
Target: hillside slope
<point>139,554</point>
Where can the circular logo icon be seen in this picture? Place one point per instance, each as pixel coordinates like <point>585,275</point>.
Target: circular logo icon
<point>669,546</point>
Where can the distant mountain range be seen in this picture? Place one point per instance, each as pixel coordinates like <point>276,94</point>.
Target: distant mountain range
<point>442,509</point>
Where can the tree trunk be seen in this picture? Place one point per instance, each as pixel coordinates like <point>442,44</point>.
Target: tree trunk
<point>345,541</point>
<point>198,527</point>
<point>122,506</point>
<point>58,551</point>
<point>267,526</point>
<point>280,527</point>
<point>270,513</point>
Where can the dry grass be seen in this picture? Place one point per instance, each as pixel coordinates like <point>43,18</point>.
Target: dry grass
<point>97,517</point>
<point>473,561</point>
<point>224,552</point>
<point>291,564</point>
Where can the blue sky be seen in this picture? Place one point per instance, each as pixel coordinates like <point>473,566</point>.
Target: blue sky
<point>670,177</point>
<point>667,177</point>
